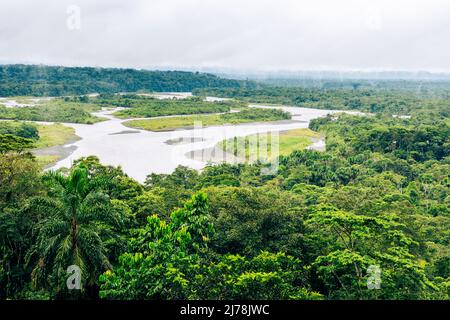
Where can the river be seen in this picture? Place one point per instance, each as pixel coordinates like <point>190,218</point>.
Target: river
<point>141,152</point>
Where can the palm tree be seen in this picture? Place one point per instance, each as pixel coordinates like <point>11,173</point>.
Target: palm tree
<point>79,218</point>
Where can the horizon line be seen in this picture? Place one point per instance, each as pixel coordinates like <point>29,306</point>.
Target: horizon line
<point>249,71</point>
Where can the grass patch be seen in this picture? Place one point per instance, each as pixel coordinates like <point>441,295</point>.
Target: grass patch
<point>55,110</point>
<point>244,116</point>
<point>260,146</point>
<point>45,161</point>
<point>297,139</point>
<point>54,135</point>
<point>148,107</point>
<point>51,136</point>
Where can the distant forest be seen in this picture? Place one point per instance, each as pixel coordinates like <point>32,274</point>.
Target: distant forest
<point>37,80</point>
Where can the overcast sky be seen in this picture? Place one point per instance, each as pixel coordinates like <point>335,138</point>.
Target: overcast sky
<point>237,34</point>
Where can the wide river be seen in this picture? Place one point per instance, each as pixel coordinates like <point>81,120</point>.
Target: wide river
<point>141,152</point>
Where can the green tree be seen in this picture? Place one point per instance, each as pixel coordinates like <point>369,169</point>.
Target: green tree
<point>9,142</point>
<point>267,276</point>
<point>166,257</point>
<point>249,220</point>
<point>79,218</point>
<point>349,244</point>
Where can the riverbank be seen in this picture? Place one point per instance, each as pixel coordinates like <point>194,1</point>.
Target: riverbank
<point>187,122</point>
<point>52,144</point>
<point>259,147</point>
<point>140,152</point>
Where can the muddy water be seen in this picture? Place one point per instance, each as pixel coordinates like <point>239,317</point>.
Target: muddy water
<point>141,152</point>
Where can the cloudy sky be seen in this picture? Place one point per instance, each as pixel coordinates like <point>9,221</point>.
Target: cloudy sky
<point>236,34</point>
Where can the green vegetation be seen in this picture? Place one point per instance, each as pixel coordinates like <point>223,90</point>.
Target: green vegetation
<point>33,80</point>
<point>144,106</point>
<point>54,135</point>
<point>10,142</point>
<point>47,160</point>
<point>393,101</point>
<point>260,146</point>
<point>51,136</point>
<point>297,139</point>
<point>20,129</point>
<point>147,107</point>
<point>70,232</point>
<point>324,225</point>
<point>17,136</point>
<point>170,256</point>
<point>244,116</point>
<point>44,135</point>
<point>56,110</point>
<point>415,139</point>
<point>24,136</point>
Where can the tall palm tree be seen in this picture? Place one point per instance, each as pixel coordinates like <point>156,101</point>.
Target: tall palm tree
<point>78,221</point>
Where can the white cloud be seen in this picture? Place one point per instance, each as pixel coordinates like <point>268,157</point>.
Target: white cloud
<point>247,34</point>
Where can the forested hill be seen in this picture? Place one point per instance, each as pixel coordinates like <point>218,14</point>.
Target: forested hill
<point>38,80</point>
